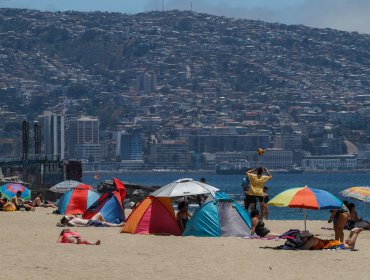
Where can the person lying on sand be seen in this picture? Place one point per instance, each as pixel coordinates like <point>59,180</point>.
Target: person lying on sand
<point>314,243</point>
<point>97,221</point>
<point>258,226</point>
<point>39,202</point>
<point>68,236</point>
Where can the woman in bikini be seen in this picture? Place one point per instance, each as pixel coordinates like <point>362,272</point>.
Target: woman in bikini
<point>258,226</point>
<point>68,236</point>
<point>183,215</point>
<point>339,219</point>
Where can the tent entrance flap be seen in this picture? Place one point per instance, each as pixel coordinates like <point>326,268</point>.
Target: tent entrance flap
<point>232,224</point>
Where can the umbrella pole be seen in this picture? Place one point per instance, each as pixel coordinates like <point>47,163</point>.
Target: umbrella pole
<point>305,219</point>
<point>363,210</point>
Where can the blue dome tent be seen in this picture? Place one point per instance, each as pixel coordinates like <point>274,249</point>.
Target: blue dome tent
<point>220,217</point>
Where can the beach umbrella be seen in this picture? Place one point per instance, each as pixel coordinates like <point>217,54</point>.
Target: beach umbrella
<point>68,185</point>
<point>184,187</point>
<point>359,193</point>
<point>9,190</point>
<point>306,198</point>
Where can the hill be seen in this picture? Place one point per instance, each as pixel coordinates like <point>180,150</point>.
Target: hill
<point>101,63</point>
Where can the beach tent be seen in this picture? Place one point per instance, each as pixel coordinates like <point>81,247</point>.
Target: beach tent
<point>120,189</point>
<point>110,206</point>
<point>154,215</point>
<point>220,217</point>
<point>76,201</point>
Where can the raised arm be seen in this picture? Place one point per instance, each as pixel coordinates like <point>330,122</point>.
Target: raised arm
<point>267,172</point>
<point>252,171</point>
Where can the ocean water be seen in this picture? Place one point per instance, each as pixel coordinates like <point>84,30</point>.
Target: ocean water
<point>231,184</point>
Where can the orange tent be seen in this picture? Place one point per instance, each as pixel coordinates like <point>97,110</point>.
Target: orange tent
<point>154,215</point>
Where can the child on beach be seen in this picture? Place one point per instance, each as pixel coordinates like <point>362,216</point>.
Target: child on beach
<point>68,236</point>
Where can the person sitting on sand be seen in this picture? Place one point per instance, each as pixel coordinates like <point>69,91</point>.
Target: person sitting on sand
<point>339,219</point>
<point>97,221</point>
<point>183,215</point>
<point>8,206</point>
<point>68,236</point>
<point>38,202</point>
<point>1,201</point>
<point>19,203</point>
<point>354,220</point>
<point>314,243</point>
<point>258,226</point>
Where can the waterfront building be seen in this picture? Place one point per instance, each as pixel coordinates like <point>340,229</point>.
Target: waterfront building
<point>130,145</point>
<point>330,162</point>
<point>53,134</point>
<point>83,138</point>
<point>169,154</point>
<point>227,143</point>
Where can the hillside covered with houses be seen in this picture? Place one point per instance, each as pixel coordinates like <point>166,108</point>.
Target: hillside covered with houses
<point>183,90</point>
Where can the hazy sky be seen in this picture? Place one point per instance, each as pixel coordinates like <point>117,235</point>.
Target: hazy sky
<point>350,15</point>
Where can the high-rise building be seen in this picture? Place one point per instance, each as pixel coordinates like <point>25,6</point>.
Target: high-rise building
<point>52,127</point>
<point>83,138</point>
<point>130,145</point>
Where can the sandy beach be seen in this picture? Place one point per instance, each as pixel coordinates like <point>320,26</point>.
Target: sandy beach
<point>29,251</point>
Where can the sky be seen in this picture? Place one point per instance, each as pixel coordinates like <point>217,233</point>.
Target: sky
<point>349,15</point>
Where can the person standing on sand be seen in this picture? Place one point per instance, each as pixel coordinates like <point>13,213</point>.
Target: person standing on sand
<point>266,199</point>
<point>257,182</point>
<point>245,186</point>
<point>339,219</point>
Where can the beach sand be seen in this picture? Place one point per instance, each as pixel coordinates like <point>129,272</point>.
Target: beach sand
<point>29,251</point>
